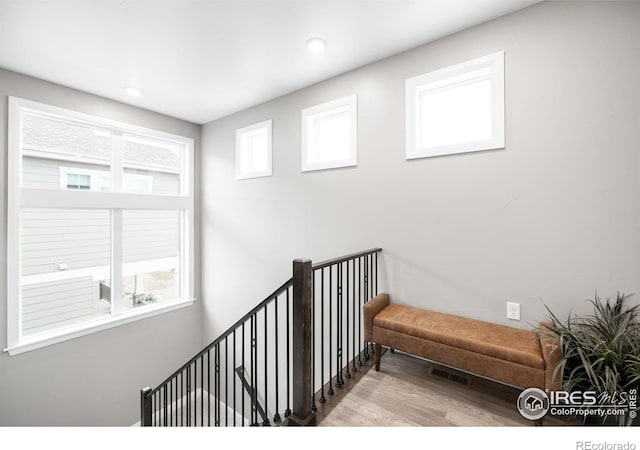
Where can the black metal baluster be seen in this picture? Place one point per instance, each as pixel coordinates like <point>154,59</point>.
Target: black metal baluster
<point>226,382</point>
<point>176,408</point>
<point>165,405</point>
<point>360,278</point>
<point>338,382</point>
<point>353,328</point>
<point>266,376</point>
<point>341,322</point>
<point>216,380</point>
<point>244,370</point>
<point>172,398</point>
<point>182,398</point>
<point>201,390</point>
<point>208,387</point>
<point>276,417</point>
<point>189,395</point>
<point>347,373</point>
<point>212,367</point>
<point>313,342</point>
<point>287,412</point>
<point>322,397</point>
<point>217,387</point>
<point>330,391</point>
<point>235,413</point>
<point>375,275</point>
<point>365,299</point>
<point>254,412</point>
<point>371,294</point>
<point>370,278</point>
<point>366,278</point>
<point>195,393</point>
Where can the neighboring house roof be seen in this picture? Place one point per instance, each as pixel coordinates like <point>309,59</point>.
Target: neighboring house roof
<point>57,138</point>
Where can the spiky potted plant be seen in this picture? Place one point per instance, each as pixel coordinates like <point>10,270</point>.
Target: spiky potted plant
<point>601,351</point>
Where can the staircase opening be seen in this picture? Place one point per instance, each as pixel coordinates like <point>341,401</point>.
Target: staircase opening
<point>283,359</point>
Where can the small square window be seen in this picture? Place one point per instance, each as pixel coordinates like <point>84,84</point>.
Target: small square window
<point>456,109</point>
<point>329,134</point>
<point>78,181</point>
<point>253,151</point>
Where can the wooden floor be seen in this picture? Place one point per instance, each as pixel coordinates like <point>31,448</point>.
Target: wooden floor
<point>406,393</point>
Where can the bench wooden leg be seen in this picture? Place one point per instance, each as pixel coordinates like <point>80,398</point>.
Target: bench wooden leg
<point>378,353</point>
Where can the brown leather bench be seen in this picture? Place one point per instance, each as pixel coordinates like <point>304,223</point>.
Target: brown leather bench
<point>508,355</point>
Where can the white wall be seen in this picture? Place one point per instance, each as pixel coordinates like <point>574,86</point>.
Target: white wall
<point>94,379</point>
<point>551,218</point>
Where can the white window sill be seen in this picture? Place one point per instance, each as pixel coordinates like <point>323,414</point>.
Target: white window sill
<point>310,167</point>
<point>83,329</point>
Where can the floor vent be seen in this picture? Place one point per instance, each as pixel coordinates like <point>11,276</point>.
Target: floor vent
<point>456,378</point>
<point>440,373</point>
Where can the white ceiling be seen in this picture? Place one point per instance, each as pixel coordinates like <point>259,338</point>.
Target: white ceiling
<point>199,60</point>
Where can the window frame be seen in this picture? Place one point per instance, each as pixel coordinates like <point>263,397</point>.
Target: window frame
<point>248,130</point>
<point>322,112</point>
<point>415,86</point>
<point>64,182</point>
<point>19,197</point>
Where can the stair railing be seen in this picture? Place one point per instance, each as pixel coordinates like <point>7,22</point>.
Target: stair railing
<point>270,366</point>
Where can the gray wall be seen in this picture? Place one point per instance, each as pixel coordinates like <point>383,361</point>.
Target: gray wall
<point>551,218</point>
<point>94,379</point>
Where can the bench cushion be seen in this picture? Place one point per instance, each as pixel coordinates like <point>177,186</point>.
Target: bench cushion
<point>497,341</point>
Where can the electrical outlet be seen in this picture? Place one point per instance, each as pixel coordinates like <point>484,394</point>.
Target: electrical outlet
<point>513,311</point>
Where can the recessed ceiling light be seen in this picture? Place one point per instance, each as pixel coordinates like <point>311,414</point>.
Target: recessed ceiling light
<point>133,91</point>
<point>316,45</point>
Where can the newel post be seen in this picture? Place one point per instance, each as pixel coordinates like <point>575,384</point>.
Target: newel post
<point>302,394</point>
<point>145,406</point>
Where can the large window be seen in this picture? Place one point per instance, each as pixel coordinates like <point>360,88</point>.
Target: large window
<point>329,134</point>
<point>100,228</point>
<point>456,109</point>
